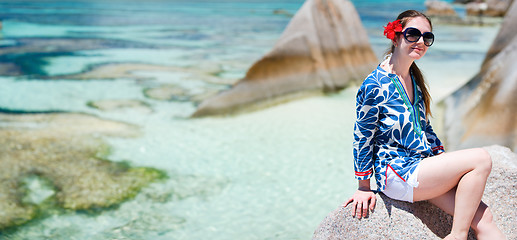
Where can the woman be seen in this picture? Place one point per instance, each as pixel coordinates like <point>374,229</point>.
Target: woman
<point>394,141</point>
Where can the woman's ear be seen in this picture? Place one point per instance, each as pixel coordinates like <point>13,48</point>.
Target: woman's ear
<point>396,40</point>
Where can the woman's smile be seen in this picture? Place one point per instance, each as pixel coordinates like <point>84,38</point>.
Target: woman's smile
<point>418,49</point>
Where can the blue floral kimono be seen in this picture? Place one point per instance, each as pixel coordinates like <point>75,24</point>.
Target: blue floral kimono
<point>390,131</point>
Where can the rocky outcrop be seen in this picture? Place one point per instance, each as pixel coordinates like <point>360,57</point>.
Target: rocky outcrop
<point>324,48</point>
<point>439,8</point>
<point>506,36</point>
<point>442,12</point>
<point>394,219</point>
<point>484,111</point>
<point>491,8</point>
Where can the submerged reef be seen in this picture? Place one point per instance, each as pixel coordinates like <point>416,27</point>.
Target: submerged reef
<point>206,85</point>
<point>121,104</point>
<point>117,71</point>
<point>172,92</point>
<point>65,151</point>
<point>29,56</point>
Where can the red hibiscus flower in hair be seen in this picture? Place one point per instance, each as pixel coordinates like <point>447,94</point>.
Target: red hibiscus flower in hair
<point>392,28</point>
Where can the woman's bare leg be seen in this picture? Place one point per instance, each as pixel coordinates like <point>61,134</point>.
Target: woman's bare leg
<point>467,170</point>
<point>482,223</point>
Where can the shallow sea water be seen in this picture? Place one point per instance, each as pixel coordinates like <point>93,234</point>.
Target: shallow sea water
<point>269,174</point>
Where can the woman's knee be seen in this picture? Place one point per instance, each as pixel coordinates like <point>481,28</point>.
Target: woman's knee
<point>483,160</point>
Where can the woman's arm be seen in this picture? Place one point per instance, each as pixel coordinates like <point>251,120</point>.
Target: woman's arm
<point>362,199</point>
<point>368,99</point>
<point>436,144</point>
<point>367,109</point>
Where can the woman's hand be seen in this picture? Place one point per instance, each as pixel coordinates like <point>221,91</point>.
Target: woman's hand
<point>362,199</point>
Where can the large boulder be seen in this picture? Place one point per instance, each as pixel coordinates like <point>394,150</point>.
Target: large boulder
<point>492,8</point>
<point>442,12</point>
<point>323,48</point>
<point>438,8</point>
<point>484,111</point>
<point>394,219</point>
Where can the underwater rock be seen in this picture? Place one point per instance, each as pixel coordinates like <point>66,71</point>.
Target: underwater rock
<point>172,92</point>
<point>10,69</point>
<point>200,85</point>
<point>167,93</point>
<point>151,216</point>
<point>29,56</point>
<point>67,151</point>
<point>63,45</point>
<point>117,71</point>
<point>282,12</point>
<point>393,219</point>
<point>324,48</point>
<point>484,111</point>
<point>121,104</point>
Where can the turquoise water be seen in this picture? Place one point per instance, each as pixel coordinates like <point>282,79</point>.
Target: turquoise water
<point>270,174</point>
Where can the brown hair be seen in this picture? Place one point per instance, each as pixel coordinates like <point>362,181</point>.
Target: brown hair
<point>404,18</point>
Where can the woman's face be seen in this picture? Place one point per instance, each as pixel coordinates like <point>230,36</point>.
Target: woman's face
<point>414,50</point>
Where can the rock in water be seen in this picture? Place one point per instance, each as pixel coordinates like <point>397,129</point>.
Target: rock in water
<point>324,48</point>
<point>394,219</point>
<point>484,111</point>
<point>121,104</point>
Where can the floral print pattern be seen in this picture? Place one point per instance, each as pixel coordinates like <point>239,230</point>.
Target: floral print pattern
<point>390,129</point>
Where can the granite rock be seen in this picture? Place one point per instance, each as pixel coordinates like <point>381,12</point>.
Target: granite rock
<point>324,48</point>
<point>394,219</point>
<point>492,8</point>
<point>442,12</point>
<point>439,8</point>
<point>484,111</point>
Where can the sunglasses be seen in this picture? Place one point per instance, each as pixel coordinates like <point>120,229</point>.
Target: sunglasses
<point>413,35</point>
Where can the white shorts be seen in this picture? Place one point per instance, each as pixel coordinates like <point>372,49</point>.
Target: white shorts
<point>397,189</point>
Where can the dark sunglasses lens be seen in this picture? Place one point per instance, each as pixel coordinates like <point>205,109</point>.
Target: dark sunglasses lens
<point>413,34</point>
<point>428,39</point>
